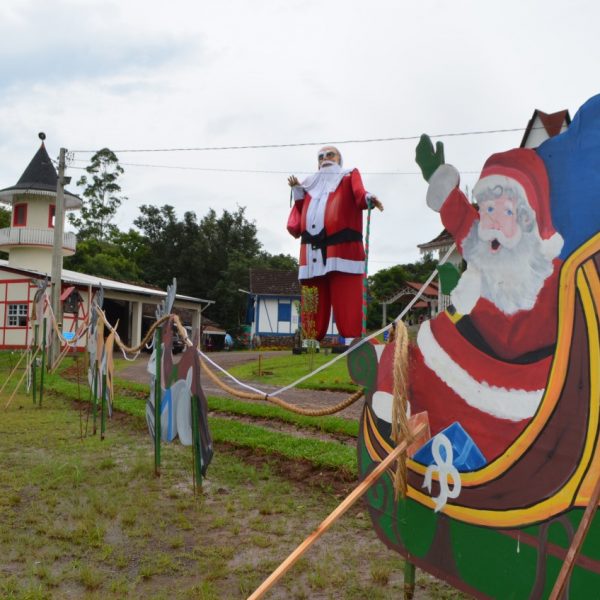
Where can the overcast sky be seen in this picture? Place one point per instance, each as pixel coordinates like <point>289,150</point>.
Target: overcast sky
<point>133,75</point>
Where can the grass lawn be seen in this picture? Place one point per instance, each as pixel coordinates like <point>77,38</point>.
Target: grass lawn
<point>84,518</point>
<point>286,368</point>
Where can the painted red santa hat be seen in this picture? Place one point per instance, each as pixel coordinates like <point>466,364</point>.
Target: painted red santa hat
<point>523,169</point>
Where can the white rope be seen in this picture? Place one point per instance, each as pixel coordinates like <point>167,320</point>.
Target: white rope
<point>373,335</point>
<point>244,385</point>
<point>73,342</point>
<point>364,340</point>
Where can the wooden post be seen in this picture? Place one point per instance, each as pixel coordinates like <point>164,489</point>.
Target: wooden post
<point>44,333</point>
<point>576,544</point>
<point>157,400</point>
<point>196,452</point>
<point>95,398</point>
<point>33,369</point>
<point>409,580</point>
<point>103,408</point>
<point>367,482</point>
<point>57,255</point>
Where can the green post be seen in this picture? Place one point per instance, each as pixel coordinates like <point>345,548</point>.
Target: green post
<point>33,370</point>
<point>95,398</point>
<point>103,410</point>
<point>157,400</point>
<point>43,361</point>
<point>196,453</point>
<point>365,289</point>
<point>409,580</point>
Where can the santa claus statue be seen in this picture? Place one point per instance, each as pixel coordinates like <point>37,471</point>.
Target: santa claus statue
<point>485,361</point>
<point>327,217</point>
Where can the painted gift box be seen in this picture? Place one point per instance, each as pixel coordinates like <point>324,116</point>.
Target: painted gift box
<point>466,456</point>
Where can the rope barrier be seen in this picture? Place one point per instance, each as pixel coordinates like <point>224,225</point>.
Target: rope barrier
<point>256,394</point>
<point>400,429</point>
<point>309,412</point>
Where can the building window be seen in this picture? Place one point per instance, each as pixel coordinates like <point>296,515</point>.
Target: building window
<point>19,215</point>
<point>17,315</point>
<point>284,312</point>
<point>51,215</point>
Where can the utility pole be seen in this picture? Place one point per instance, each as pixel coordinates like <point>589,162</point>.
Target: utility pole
<point>57,255</point>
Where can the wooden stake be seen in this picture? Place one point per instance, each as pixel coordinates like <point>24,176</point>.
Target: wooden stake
<point>103,408</point>
<point>33,369</point>
<point>576,544</point>
<point>43,369</point>
<point>369,480</point>
<point>13,371</point>
<point>409,580</point>
<point>157,400</point>
<point>27,367</point>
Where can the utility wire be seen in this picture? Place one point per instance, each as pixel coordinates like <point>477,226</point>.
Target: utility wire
<point>321,143</point>
<point>259,171</point>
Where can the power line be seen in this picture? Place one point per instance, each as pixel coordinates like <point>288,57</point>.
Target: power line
<point>321,143</point>
<point>252,171</point>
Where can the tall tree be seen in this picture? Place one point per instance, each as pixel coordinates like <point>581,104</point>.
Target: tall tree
<point>102,197</point>
<point>211,259</point>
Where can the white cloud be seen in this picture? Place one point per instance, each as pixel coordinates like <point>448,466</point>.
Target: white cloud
<point>187,74</point>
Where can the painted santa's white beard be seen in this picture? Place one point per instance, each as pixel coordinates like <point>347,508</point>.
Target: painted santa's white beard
<point>511,278</point>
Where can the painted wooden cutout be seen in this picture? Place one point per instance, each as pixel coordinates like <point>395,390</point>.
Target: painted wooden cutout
<point>516,364</point>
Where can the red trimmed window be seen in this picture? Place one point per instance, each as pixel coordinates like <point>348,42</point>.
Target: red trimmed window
<point>51,215</point>
<point>19,215</point>
<point>16,315</point>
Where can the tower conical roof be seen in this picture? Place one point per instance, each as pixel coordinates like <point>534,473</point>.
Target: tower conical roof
<point>40,176</point>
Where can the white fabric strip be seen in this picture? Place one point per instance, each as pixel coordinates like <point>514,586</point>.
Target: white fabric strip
<point>317,268</point>
<point>511,404</point>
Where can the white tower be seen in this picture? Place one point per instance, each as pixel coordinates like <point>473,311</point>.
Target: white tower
<point>30,238</point>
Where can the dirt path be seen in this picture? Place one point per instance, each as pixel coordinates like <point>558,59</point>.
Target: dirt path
<point>136,371</point>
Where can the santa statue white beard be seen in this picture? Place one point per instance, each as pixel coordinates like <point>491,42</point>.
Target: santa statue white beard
<point>510,278</point>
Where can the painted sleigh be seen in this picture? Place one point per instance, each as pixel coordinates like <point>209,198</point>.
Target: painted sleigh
<point>507,531</point>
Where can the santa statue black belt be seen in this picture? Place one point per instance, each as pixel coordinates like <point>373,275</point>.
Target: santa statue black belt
<point>321,240</point>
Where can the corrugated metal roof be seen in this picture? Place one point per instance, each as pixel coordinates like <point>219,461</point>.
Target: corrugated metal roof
<point>108,284</point>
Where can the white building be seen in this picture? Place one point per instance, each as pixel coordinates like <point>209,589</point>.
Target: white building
<point>29,241</point>
<point>274,299</point>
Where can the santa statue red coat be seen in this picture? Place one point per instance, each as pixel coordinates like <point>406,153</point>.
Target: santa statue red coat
<point>488,369</point>
<point>327,216</point>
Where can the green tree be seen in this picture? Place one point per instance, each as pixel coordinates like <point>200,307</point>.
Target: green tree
<point>386,283</point>
<point>210,258</point>
<point>104,259</point>
<point>101,197</point>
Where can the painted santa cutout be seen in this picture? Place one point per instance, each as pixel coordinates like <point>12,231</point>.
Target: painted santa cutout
<point>509,376</point>
<point>327,217</point>
<point>485,361</point>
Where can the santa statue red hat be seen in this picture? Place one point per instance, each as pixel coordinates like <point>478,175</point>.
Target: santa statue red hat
<point>523,170</point>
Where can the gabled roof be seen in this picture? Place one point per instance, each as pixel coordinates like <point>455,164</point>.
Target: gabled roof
<point>274,282</point>
<point>443,240</point>
<point>40,176</point>
<point>552,123</point>
<point>411,288</point>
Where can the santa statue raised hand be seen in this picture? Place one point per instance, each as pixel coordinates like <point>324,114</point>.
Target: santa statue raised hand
<point>327,217</point>
<point>485,361</point>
